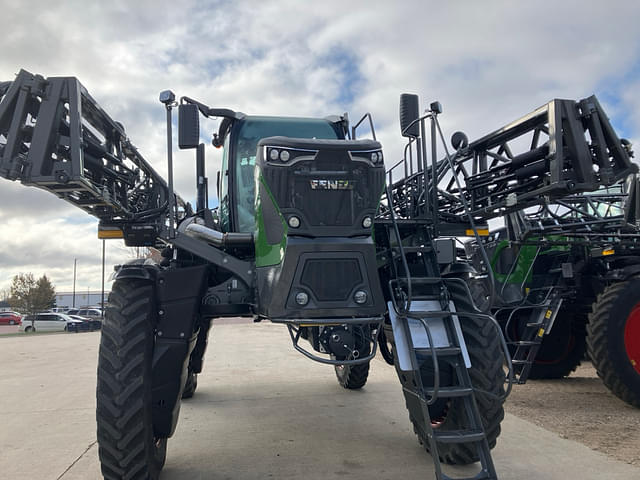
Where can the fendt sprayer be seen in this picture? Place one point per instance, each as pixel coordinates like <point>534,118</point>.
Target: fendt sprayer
<point>580,259</point>
<point>561,267</point>
<point>310,232</point>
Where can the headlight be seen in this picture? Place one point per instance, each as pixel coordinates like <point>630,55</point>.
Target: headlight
<point>360,297</point>
<point>283,154</point>
<point>294,222</point>
<point>374,157</point>
<point>302,298</point>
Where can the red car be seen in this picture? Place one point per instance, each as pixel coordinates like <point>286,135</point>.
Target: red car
<point>10,318</point>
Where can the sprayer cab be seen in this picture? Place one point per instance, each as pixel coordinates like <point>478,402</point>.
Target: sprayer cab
<point>308,197</point>
<point>315,203</point>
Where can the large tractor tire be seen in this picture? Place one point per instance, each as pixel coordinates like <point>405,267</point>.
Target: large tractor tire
<point>487,376</point>
<point>128,448</point>
<point>563,349</point>
<point>352,377</point>
<point>613,339</point>
<point>190,385</point>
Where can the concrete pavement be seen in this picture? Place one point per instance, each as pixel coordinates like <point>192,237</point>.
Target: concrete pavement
<point>261,411</point>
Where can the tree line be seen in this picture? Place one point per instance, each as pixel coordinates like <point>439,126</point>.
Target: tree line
<point>29,295</point>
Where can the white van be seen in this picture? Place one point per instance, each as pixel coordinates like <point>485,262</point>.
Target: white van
<point>47,322</point>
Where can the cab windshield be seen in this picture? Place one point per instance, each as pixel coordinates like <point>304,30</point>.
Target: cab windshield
<point>252,130</point>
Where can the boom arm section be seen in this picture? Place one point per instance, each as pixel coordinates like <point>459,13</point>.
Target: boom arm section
<point>562,148</point>
<point>53,135</point>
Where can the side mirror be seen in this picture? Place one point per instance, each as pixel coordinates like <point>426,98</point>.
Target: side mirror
<point>188,126</point>
<point>409,112</point>
<point>459,140</point>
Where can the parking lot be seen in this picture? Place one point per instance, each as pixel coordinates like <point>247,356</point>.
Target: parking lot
<point>261,411</point>
<point>7,329</point>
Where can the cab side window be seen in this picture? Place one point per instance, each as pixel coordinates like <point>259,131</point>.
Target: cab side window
<point>224,188</point>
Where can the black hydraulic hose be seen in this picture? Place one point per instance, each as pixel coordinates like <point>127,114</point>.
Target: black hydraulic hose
<point>401,248</point>
<point>154,212</point>
<point>483,252</point>
<point>384,347</point>
<point>218,238</point>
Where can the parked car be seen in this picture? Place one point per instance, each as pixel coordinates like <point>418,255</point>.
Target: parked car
<point>10,318</point>
<point>85,312</point>
<point>48,322</point>
<point>88,324</point>
<point>90,312</point>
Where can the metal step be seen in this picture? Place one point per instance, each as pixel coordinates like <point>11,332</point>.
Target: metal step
<point>480,476</point>
<point>441,352</point>
<point>459,436</point>
<point>451,392</point>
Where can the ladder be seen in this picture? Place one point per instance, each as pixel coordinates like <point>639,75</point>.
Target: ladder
<point>525,349</point>
<point>430,328</point>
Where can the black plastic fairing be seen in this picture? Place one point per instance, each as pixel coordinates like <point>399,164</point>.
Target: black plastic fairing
<point>331,186</point>
<point>349,266</point>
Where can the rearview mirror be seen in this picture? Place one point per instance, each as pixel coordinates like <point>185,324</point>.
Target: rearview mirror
<point>188,126</point>
<point>409,112</point>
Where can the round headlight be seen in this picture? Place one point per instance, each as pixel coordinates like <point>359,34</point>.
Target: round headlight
<point>294,222</point>
<point>360,296</point>
<point>302,298</point>
<point>284,156</point>
<point>380,157</point>
<point>274,154</point>
<point>366,222</point>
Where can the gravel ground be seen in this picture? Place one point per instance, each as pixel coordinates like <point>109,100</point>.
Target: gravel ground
<point>582,409</point>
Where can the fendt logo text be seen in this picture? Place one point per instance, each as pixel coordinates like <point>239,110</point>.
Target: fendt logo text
<point>331,184</point>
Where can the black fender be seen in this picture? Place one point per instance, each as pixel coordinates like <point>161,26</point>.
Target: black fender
<point>179,295</point>
<point>140,268</point>
<point>624,273</point>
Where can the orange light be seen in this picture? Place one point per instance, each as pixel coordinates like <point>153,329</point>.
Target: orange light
<point>105,233</point>
<point>483,232</point>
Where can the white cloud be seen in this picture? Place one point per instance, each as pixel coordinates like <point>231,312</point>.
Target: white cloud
<point>487,62</point>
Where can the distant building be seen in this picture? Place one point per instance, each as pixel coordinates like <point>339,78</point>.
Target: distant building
<point>82,299</point>
<point>4,306</point>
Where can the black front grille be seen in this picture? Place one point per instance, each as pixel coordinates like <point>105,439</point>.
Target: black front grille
<point>330,279</point>
<point>324,207</point>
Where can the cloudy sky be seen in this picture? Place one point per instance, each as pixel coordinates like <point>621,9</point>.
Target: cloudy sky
<point>487,62</point>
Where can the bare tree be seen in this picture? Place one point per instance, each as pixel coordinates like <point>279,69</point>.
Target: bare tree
<point>5,294</point>
<point>30,296</point>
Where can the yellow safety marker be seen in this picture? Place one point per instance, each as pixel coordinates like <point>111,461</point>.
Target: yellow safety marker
<point>548,314</point>
<point>541,332</point>
<point>483,232</point>
<point>104,233</point>
<point>608,251</point>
